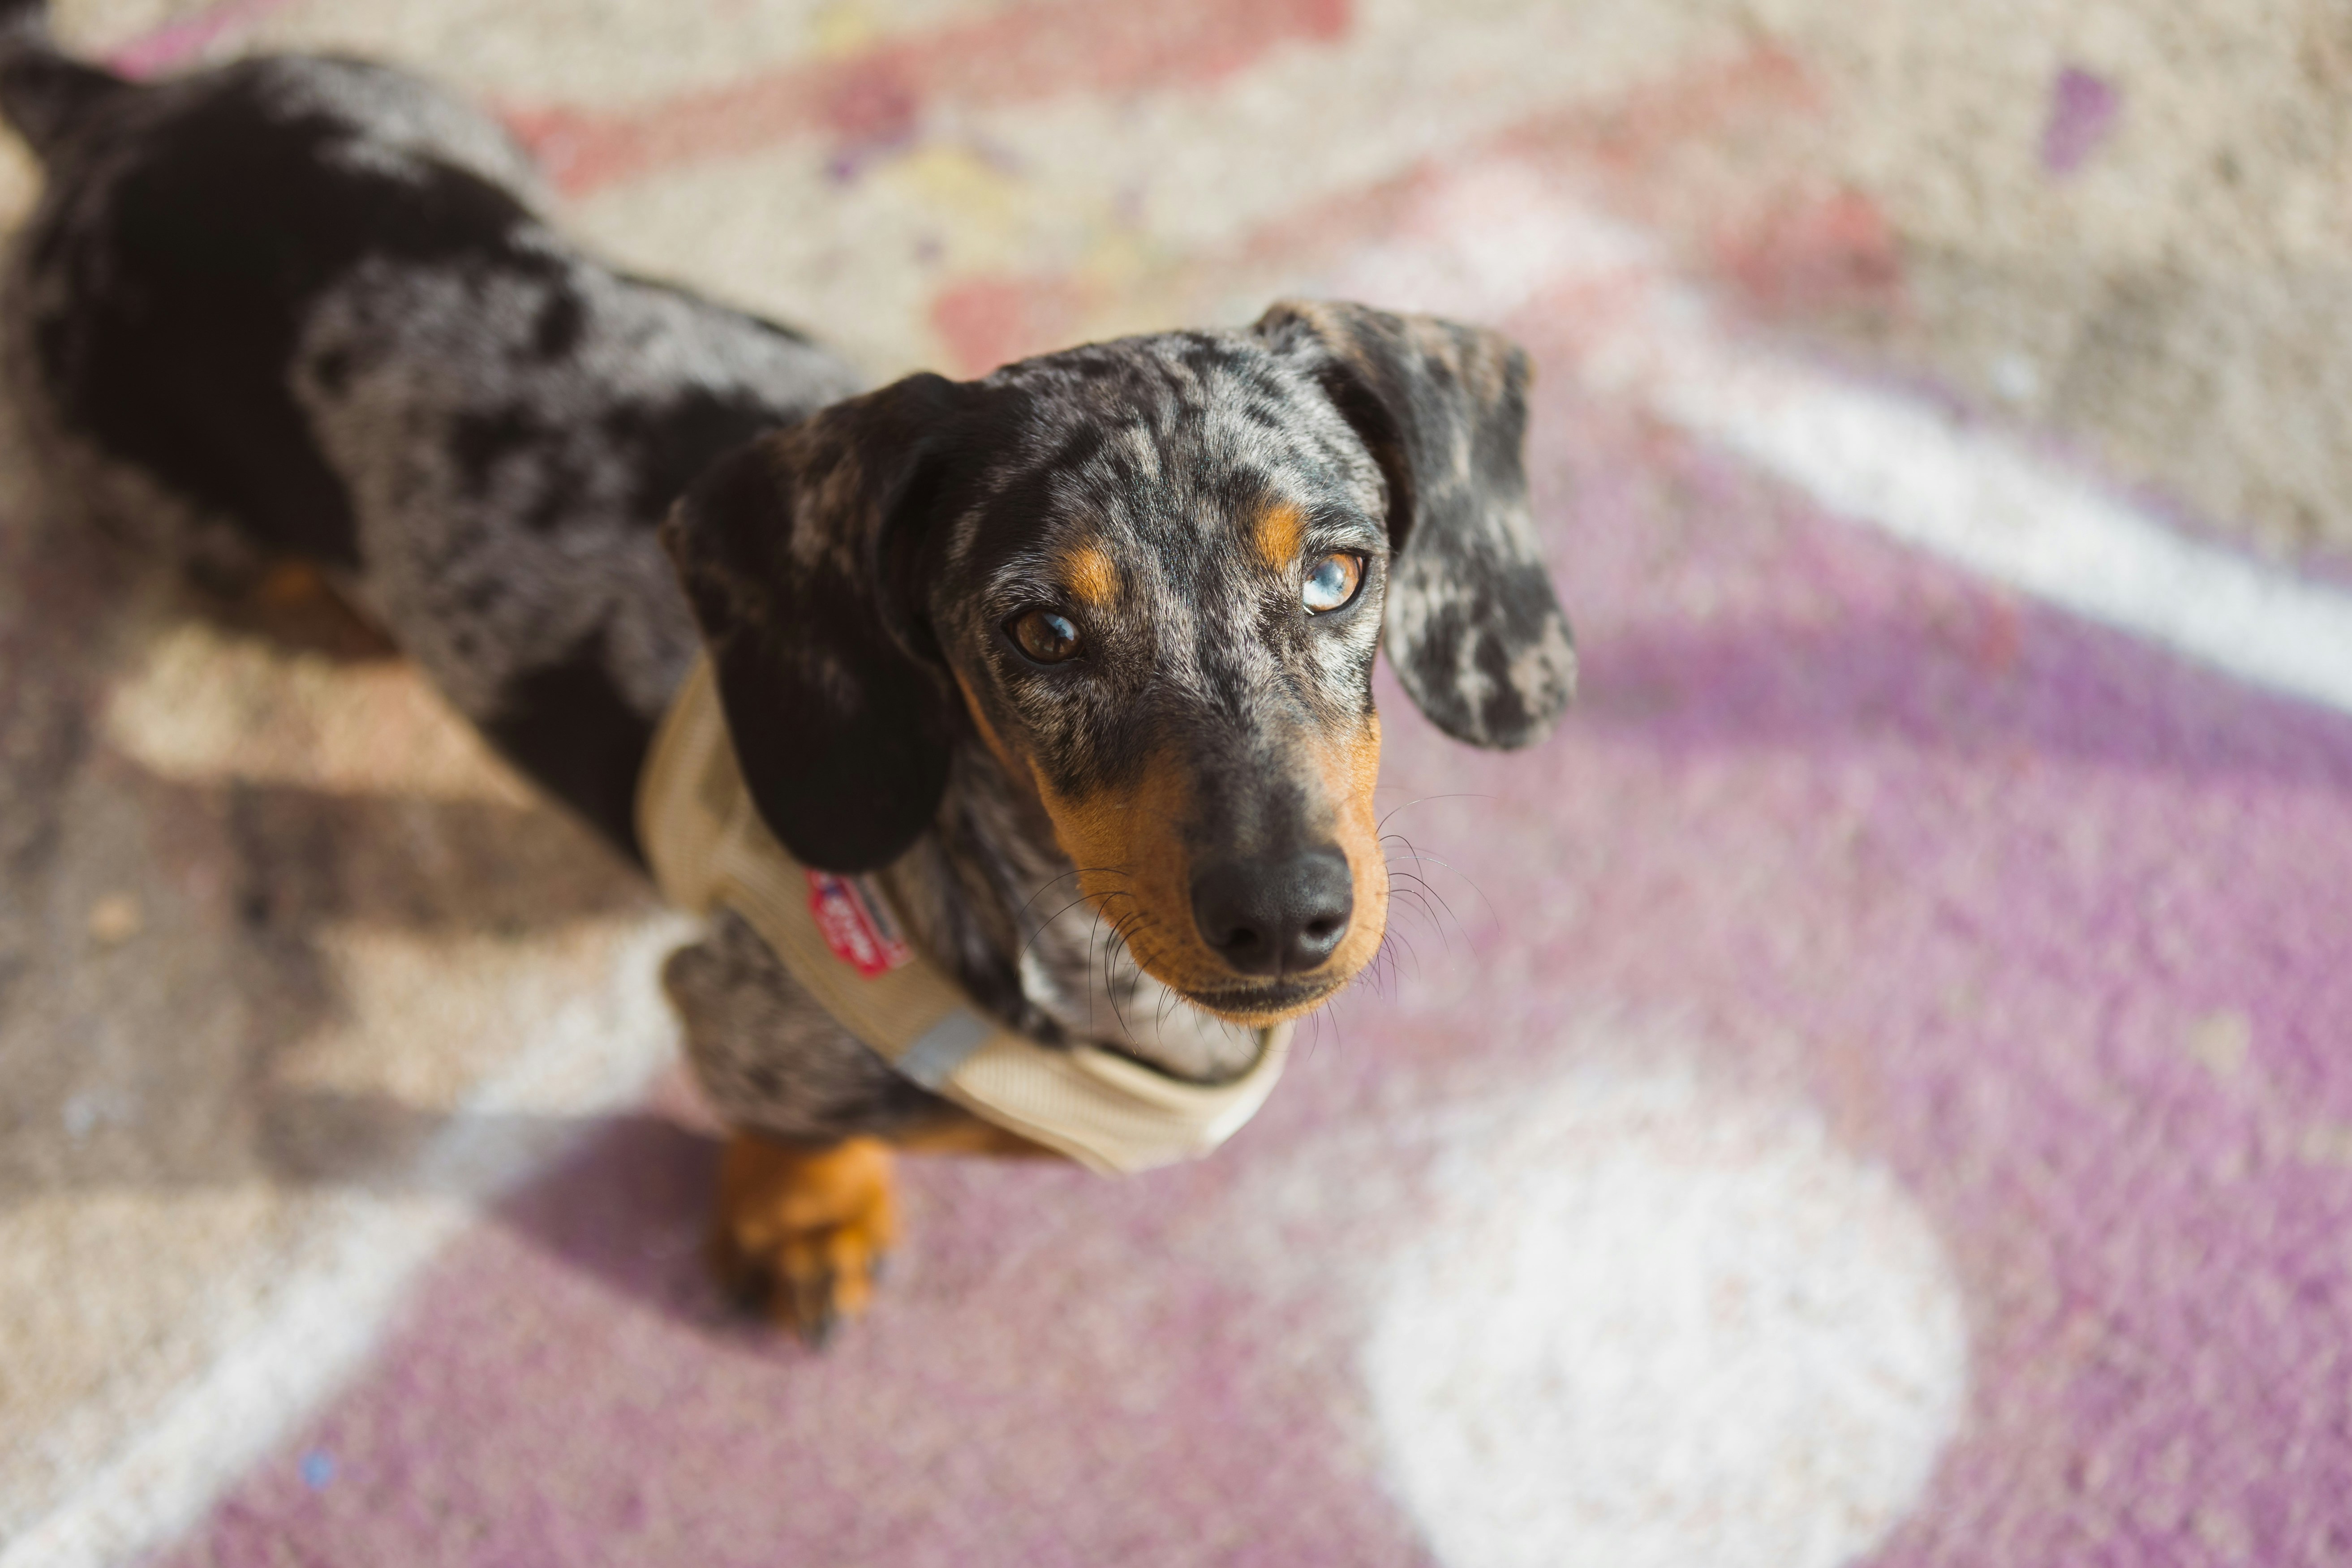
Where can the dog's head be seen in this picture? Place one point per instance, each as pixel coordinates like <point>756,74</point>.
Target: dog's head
<point>1149,577</point>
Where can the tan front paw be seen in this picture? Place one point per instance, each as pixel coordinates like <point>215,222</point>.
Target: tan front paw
<point>802,1232</point>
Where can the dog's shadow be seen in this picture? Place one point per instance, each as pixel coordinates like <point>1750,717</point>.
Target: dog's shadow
<point>169,943</point>
<point>626,1199</point>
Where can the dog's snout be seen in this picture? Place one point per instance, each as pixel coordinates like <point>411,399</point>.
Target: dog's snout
<point>1267,916</point>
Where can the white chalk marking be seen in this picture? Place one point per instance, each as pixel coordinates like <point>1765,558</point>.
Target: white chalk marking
<point>1656,1326</point>
<point>592,1059</point>
<point>1502,239</point>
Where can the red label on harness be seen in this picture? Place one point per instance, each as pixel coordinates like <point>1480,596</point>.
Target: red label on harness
<point>856,923</point>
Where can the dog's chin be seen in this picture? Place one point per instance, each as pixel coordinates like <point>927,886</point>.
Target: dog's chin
<point>1265,1004</point>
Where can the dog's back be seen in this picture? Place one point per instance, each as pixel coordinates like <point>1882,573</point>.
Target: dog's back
<point>308,308</point>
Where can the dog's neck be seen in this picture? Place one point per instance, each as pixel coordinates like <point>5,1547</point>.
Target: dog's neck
<point>990,894</point>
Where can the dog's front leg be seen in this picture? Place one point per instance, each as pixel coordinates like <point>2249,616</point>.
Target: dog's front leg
<point>803,1229</point>
<point>806,1208</point>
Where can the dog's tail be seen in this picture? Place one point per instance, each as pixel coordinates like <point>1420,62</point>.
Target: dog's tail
<point>44,92</point>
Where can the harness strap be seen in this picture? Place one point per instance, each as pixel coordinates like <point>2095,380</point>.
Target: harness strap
<point>839,939</point>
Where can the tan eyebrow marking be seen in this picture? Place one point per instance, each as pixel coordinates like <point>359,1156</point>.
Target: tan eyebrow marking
<point>1280,528</point>
<point>1092,579</point>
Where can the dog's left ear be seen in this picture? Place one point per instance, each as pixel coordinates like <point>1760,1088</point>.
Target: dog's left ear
<point>794,551</point>
<point>1473,626</point>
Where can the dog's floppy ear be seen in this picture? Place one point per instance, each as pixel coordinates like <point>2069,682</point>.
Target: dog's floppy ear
<point>793,551</point>
<point>1473,626</point>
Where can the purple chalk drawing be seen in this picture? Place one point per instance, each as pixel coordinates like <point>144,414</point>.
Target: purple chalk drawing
<point>2082,111</point>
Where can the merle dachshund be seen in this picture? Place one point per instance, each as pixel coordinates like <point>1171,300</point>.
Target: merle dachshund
<point>1082,646</point>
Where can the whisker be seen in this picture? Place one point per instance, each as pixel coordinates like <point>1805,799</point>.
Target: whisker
<point>1421,857</point>
<point>1424,859</point>
<point>1424,800</point>
<point>1047,923</point>
<point>1075,872</point>
<point>1093,932</point>
<point>1168,999</point>
<point>1374,971</point>
<point>1421,894</point>
<point>1339,1028</point>
<point>1433,924</point>
<point>1122,932</point>
<point>1410,951</point>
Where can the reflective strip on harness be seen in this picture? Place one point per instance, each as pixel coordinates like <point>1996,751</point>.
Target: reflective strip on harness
<point>840,940</point>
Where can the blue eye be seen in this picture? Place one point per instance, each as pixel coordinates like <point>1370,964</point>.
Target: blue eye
<point>1044,637</point>
<point>1331,583</point>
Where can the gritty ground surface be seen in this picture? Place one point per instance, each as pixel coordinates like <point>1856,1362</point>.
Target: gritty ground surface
<point>1875,1086</point>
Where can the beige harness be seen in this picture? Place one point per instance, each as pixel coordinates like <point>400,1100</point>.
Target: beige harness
<point>839,939</point>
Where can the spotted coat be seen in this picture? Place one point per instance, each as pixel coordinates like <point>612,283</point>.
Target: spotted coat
<point>314,308</point>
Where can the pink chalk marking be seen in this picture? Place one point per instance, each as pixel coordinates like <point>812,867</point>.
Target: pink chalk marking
<point>189,38</point>
<point>1798,257</point>
<point>1045,49</point>
<point>1787,251</point>
<point>989,322</point>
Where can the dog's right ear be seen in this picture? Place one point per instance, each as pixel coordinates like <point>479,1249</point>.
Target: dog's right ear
<point>1473,626</point>
<point>793,550</point>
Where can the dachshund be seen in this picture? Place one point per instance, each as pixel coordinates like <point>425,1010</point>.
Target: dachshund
<point>1076,657</point>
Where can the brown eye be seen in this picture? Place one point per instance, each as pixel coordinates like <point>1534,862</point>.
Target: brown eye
<point>1046,636</point>
<point>1331,583</point>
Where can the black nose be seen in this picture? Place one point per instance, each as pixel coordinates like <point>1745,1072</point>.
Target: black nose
<point>1275,916</point>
